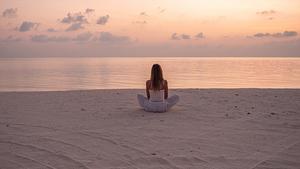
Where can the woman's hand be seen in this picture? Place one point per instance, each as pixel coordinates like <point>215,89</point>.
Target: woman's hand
<point>148,83</point>
<point>166,89</point>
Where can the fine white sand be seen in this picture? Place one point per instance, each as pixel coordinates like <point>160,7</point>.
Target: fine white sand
<point>211,129</point>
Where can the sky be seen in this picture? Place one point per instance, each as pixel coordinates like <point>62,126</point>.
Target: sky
<point>92,28</point>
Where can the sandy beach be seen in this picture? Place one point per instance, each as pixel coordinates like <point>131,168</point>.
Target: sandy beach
<point>208,129</point>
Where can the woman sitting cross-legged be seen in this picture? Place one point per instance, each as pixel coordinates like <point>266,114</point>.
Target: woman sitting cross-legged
<point>157,99</point>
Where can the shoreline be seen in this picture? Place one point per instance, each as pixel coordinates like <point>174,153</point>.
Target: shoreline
<point>137,89</point>
<point>105,128</point>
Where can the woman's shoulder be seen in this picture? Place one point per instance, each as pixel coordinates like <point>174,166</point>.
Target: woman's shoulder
<point>164,84</point>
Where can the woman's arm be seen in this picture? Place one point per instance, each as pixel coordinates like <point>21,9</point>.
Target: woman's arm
<point>166,89</point>
<point>147,89</point>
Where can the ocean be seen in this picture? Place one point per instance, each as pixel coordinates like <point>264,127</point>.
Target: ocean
<point>80,73</point>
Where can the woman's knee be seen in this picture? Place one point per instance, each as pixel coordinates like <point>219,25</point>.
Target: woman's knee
<point>141,99</point>
<point>174,98</point>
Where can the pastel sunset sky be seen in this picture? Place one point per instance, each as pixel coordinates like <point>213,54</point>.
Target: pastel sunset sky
<point>43,28</point>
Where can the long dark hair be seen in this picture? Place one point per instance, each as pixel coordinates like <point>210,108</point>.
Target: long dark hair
<point>156,77</point>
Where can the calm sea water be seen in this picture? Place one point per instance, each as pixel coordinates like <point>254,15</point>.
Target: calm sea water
<point>43,74</point>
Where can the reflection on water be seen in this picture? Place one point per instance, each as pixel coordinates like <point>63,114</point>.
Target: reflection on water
<point>27,74</point>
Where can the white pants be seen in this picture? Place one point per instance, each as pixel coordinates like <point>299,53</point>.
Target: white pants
<point>163,106</point>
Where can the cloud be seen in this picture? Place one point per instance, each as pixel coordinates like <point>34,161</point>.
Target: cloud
<point>27,26</point>
<point>199,35</point>
<point>174,36</point>
<point>276,35</point>
<point>143,14</point>
<point>83,37</point>
<point>259,35</point>
<point>267,14</point>
<point>46,38</point>
<point>270,12</point>
<point>89,10</point>
<point>161,10</point>
<point>103,20</point>
<point>11,38</point>
<point>42,38</point>
<point>109,37</point>
<point>10,13</point>
<point>140,22</point>
<point>285,34</point>
<point>74,18</point>
<point>185,36</point>
<point>51,30</point>
<point>75,27</point>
